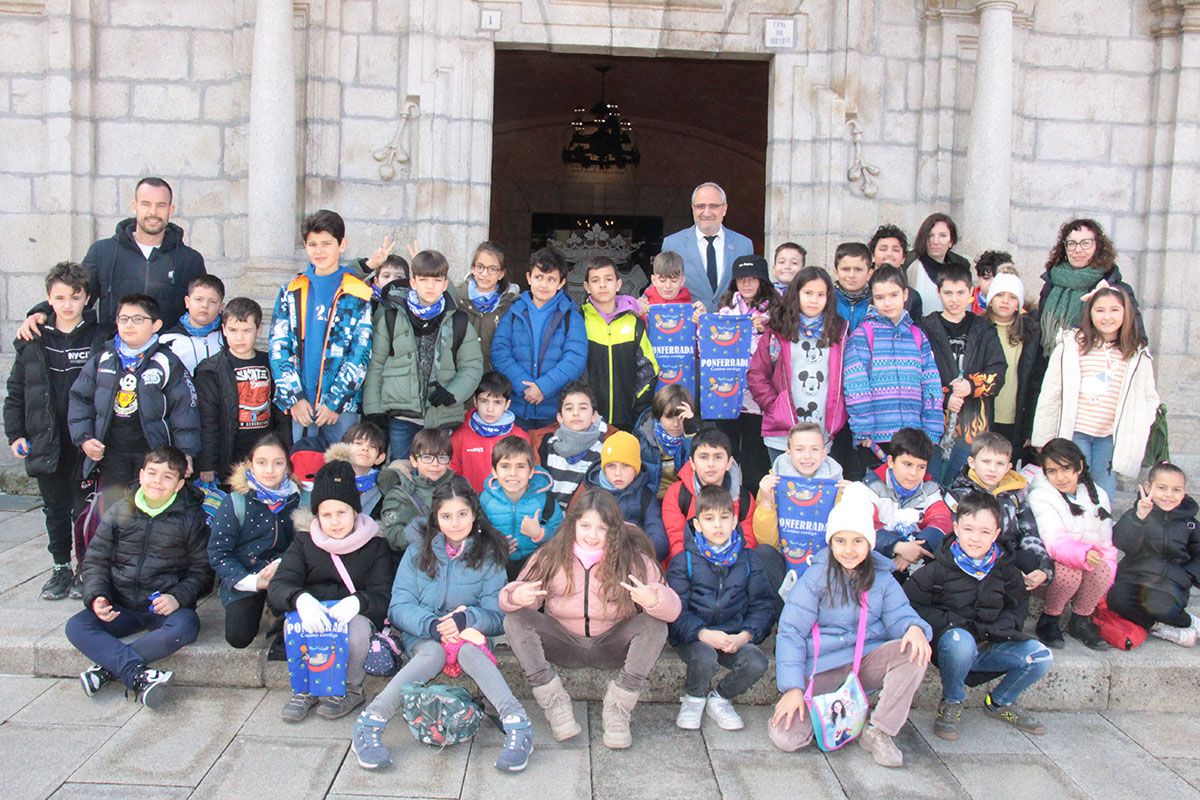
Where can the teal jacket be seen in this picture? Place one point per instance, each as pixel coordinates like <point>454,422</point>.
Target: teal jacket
<point>537,502</point>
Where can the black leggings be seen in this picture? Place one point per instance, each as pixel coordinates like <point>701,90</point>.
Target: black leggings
<point>1146,606</point>
<point>243,618</point>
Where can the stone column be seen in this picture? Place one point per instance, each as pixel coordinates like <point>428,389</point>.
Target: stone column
<point>271,193</point>
<point>987,191</point>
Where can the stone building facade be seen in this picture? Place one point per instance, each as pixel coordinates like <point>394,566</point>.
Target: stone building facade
<point>1014,115</point>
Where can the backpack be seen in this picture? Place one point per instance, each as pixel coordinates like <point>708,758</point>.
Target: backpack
<point>87,522</point>
<point>385,655</point>
<point>1158,444</point>
<point>458,321</point>
<point>440,715</point>
<point>685,502</point>
<point>1116,630</point>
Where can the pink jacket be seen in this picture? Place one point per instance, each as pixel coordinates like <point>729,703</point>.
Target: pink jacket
<point>771,386</point>
<point>1069,538</point>
<point>594,616</point>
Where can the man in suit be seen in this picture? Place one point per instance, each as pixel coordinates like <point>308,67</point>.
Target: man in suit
<point>708,247</point>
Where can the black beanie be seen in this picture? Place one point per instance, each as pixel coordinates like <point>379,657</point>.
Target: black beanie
<point>335,481</point>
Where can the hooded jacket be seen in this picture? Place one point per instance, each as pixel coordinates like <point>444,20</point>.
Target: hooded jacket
<point>485,324</point>
<point>889,616</point>
<point>924,512</point>
<point>472,452</point>
<point>1019,535</point>
<point>237,550</point>
<point>217,396</point>
<point>766,516</point>
<point>675,519</point>
<point>983,366</point>
<point>639,505</point>
<point>654,460</point>
<point>1069,538</point>
<point>134,555</point>
<point>506,515</point>
<point>770,380</point>
<point>558,357</point>
<point>407,495</point>
<point>1161,552</point>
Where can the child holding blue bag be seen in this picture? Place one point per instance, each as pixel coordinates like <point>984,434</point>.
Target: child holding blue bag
<point>445,599</point>
<point>340,558</point>
<point>894,640</point>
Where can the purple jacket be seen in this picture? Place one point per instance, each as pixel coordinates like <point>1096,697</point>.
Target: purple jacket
<point>770,384</point>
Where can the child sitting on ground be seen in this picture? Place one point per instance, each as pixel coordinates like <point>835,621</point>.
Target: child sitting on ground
<point>408,488</point>
<point>364,446</point>
<point>974,597</point>
<point>483,426</point>
<point>444,599</point>
<point>518,502</point>
<point>145,570</point>
<point>337,556</point>
<point>574,447</point>
<point>911,516</point>
<point>728,609</point>
<point>197,335</point>
<point>620,474</point>
<point>1162,557</point>
<point>662,431</point>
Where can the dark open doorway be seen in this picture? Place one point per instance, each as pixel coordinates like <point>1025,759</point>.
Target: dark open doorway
<point>692,121</point>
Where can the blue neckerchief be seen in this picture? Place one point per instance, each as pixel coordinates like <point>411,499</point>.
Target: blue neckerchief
<point>273,499</point>
<point>782,287</point>
<point>365,483</point>
<point>201,332</point>
<point>490,430</point>
<point>724,557</point>
<point>811,327</point>
<point>484,303</point>
<point>898,489</point>
<point>424,312</point>
<point>130,357</point>
<point>977,568</point>
<point>671,445</point>
<point>376,293</point>
<point>605,483</point>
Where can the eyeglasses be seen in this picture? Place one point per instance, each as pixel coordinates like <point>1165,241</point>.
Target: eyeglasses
<point>138,319</point>
<point>708,206</point>
<point>486,270</point>
<point>1082,244</point>
<point>428,459</point>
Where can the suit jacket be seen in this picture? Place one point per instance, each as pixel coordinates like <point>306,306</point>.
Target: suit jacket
<point>695,269</point>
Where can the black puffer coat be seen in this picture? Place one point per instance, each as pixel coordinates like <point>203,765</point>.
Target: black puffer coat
<point>217,396</point>
<point>1163,551</point>
<point>134,555</point>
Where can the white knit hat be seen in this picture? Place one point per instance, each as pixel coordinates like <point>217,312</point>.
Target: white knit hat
<point>1007,282</point>
<point>854,512</point>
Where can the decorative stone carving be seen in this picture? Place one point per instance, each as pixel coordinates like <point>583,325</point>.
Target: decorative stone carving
<point>860,171</point>
<point>395,157</point>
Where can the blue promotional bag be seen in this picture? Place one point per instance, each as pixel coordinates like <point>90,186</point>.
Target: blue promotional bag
<point>317,661</point>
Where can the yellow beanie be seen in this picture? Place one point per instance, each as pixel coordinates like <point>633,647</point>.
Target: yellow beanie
<point>621,448</point>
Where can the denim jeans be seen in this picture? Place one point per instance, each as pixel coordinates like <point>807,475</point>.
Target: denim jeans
<point>1098,450</point>
<point>400,435</point>
<point>745,667</point>
<point>325,435</point>
<point>1023,665</point>
<point>101,641</point>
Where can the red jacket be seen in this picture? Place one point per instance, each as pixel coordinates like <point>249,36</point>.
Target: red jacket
<point>655,299</point>
<point>472,456</point>
<point>675,521</point>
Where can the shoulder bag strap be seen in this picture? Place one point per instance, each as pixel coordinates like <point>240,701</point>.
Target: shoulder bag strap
<point>812,678</point>
<point>862,635</point>
<point>341,568</point>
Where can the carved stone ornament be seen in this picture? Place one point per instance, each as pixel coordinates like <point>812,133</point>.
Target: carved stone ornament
<point>395,157</point>
<point>860,171</point>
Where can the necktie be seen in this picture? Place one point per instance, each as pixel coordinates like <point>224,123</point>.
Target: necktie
<point>712,262</point>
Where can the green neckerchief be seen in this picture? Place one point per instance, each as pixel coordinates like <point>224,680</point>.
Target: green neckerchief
<point>1064,302</point>
<point>139,500</point>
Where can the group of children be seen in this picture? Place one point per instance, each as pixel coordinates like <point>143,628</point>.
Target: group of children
<point>540,487</point>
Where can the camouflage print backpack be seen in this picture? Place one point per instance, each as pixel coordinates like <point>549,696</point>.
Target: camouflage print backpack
<point>440,715</point>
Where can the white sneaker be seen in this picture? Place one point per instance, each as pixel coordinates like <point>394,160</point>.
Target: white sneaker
<point>691,712</point>
<point>1185,637</point>
<point>722,712</point>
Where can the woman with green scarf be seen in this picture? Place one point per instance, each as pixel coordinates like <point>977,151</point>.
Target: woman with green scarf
<point>1082,257</point>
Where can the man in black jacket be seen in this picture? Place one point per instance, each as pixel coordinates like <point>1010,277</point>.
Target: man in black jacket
<point>146,569</point>
<point>146,255</point>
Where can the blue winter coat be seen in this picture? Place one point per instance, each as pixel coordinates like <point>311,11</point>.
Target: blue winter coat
<point>417,599</point>
<point>506,515</point>
<point>639,504</point>
<point>729,599</point>
<point>889,615</point>
<point>557,359</point>
<point>234,550</point>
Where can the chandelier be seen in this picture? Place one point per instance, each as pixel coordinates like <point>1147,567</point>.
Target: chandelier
<point>603,142</point>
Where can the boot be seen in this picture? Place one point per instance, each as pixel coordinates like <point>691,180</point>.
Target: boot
<point>556,704</point>
<point>1082,628</point>
<point>618,709</point>
<point>1048,631</point>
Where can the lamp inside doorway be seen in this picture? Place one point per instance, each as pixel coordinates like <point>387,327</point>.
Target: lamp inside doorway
<point>603,142</point>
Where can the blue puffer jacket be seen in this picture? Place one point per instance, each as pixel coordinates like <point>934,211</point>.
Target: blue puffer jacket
<point>639,504</point>
<point>729,599</point>
<point>417,599</point>
<point>557,359</point>
<point>506,516</point>
<point>889,615</point>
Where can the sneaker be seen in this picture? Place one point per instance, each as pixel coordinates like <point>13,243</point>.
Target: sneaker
<point>367,742</point>
<point>338,707</point>
<point>518,743</point>
<point>76,590</point>
<point>1185,637</point>
<point>722,712</point>
<point>59,584</point>
<point>945,724</point>
<point>1014,715</point>
<point>1082,628</point>
<point>691,713</point>
<point>150,686</point>
<point>298,707</point>
<point>881,747</point>
<point>94,677</point>
<point>1048,631</point>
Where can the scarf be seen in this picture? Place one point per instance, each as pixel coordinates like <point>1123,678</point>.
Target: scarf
<point>811,327</point>
<point>977,568</point>
<point>725,555</point>
<point>365,483</point>
<point>587,556</point>
<point>571,445</point>
<point>202,331</point>
<point>453,550</point>
<point>484,303</point>
<point>604,483</point>
<point>273,499</point>
<point>143,505</point>
<point>671,445</point>
<point>899,489</point>
<point>425,312</point>
<point>490,430</point>
<point>854,297</point>
<point>742,307</point>
<point>1064,307</point>
<point>131,358</point>
<point>365,529</point>
<point>622,304</point>
<point>376,293</point>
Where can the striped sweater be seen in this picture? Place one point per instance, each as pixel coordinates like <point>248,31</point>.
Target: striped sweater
<point>566,474</point>
<point>891,380</point>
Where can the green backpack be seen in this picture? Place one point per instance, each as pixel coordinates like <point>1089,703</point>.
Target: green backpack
<point>440,715</point>
<point>1158,444</point>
